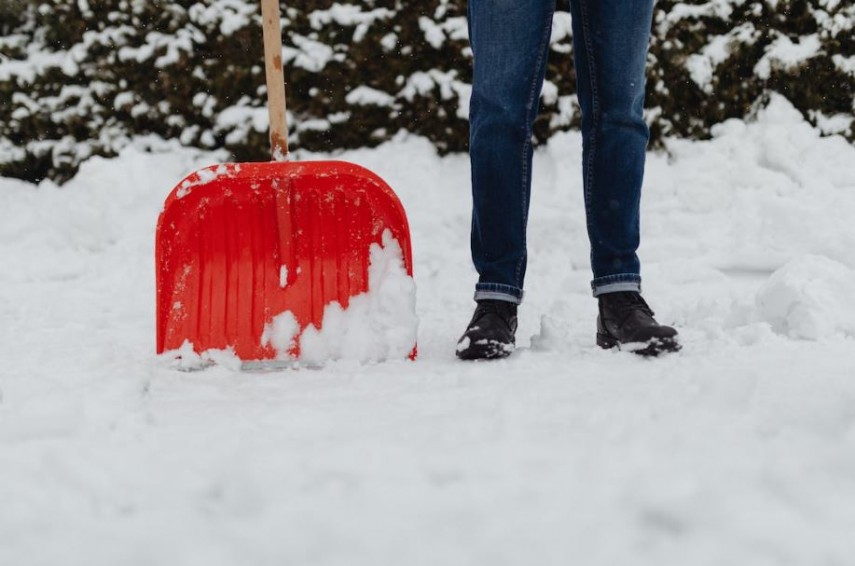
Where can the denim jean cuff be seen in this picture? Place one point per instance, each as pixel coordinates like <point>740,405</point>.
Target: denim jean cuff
<point>616,283</point>
<point>498,292</point>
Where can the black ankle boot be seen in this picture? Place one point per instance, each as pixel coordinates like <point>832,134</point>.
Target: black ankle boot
<point>490,334</point>
<point>626,320</point>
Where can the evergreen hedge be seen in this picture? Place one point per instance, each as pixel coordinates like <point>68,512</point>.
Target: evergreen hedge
<point>84,77</point>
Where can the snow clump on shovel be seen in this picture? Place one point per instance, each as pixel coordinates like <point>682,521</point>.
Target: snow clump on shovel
<point>378,325</point>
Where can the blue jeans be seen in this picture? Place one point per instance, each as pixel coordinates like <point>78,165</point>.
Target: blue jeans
<point>510,42</point>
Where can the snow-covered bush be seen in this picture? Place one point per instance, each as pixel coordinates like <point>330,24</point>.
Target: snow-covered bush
<point>717,59</point>
<point>82,77</point>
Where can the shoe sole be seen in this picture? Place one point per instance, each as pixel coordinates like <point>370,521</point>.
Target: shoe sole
<point>651,348</point>
<point>488,351</point>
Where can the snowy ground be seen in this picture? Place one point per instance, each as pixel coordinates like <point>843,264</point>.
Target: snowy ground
<point>739,450</point>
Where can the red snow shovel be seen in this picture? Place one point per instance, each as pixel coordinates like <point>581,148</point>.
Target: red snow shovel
<point>238,244</point>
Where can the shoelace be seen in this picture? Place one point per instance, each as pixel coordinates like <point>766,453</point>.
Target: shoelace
<point>634,301</point>
<point>504,309</point>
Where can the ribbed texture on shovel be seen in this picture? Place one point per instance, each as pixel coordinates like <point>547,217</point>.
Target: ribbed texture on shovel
<point>239,244</point>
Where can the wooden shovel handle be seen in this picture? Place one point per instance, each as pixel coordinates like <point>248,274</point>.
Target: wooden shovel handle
<point>272,28</point>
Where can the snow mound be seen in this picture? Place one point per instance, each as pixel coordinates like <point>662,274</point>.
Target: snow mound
<point>809,298</point>
<point>376,326</point>
<point>281,333</point>
<point>185,358</point>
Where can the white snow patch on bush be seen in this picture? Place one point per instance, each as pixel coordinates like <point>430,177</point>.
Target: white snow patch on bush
<point>701,66</point>
<point>348,15</point>
<point>809,298</point>
<point>367,96</point>
<point>562,31</point>
<point>836,124</point>
<point>713,9</point>
<point>228,15</point>
<point>27,71</point>
<point>845,64</point>
<point>449,85</point>
<point>238,120</point>
<point>433,33</point>
<point>783,54</point>
<point>243,117</point>
<point>308,54</point>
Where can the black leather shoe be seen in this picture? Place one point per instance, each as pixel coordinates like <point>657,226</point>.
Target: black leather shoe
<point>626,322</point>
<point>490,334</point>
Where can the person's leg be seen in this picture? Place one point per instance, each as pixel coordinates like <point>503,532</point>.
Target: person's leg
<point>610,39</point>
<point>510,42</point>
<point>610,43</point>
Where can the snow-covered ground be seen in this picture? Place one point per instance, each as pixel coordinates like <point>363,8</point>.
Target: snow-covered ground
<point>738,450</point>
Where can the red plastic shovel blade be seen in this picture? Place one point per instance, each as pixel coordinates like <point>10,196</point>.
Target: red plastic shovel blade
<point>239,244</point>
